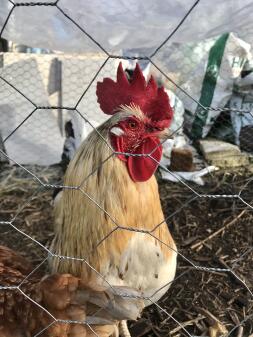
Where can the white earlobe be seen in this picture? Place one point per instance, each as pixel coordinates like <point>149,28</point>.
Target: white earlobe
<point>117,131</point>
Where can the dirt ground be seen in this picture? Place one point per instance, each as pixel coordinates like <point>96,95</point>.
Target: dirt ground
<point>209,232</point>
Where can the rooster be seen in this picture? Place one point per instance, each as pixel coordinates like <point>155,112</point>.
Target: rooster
<point>23,295</point>
<point>115,220</point>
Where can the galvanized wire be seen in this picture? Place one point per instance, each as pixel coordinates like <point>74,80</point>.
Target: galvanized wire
<point>118,226</point>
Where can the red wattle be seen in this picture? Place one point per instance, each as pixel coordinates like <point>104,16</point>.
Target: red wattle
<point>142,168</point>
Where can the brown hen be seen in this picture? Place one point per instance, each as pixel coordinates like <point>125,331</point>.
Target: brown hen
<point>32,305</point>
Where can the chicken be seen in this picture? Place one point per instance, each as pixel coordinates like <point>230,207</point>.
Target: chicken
<point>113,220</point>
<point>23,295</point>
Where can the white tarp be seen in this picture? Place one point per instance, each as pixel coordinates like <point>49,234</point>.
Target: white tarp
<point>40,138</point>
<point>118,26</point>
<point>123,24</point>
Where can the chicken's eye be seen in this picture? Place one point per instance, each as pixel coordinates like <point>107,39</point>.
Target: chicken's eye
<point>132,124</point>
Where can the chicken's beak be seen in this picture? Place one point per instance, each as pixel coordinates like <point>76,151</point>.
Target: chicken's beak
<point>161,134</point>
<point>165,134</point>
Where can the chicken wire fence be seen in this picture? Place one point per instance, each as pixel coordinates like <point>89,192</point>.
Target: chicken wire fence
<point>40,94</point>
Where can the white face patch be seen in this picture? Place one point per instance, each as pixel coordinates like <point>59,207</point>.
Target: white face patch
<point>117,131</point>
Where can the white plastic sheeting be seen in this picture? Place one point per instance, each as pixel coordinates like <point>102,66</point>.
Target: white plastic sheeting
<point>37,139</point>
<point>37,80</point>
<point>123,24</point>
<point>78,26</point>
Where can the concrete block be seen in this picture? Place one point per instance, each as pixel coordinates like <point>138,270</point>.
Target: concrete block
<point>222,154</point>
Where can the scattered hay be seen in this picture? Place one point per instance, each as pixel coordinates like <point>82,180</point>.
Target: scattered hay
<point>210,232</point>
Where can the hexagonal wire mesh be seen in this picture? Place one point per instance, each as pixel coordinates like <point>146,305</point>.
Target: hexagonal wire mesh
<point>40,94</point>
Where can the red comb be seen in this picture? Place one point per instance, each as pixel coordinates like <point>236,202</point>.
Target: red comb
<point>153,101</point>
